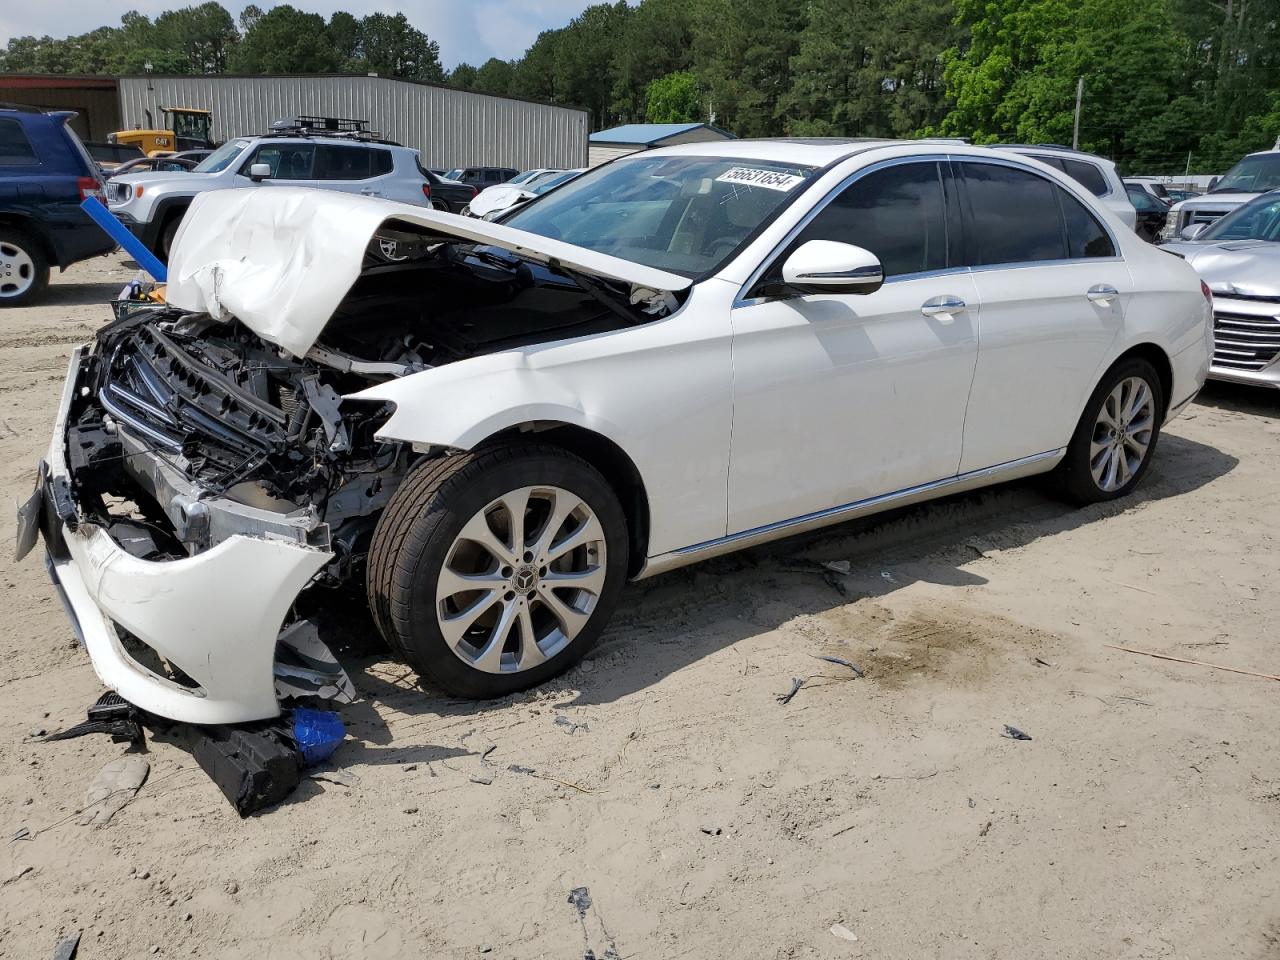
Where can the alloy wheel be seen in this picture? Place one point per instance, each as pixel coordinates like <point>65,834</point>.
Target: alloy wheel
<point>17,271</point>
<point>521,579</point>
<point>1122,433</point>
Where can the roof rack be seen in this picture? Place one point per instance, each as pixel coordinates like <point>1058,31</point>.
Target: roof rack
<point>338,128</point>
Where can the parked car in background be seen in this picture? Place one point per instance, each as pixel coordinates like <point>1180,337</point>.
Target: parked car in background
<point>1255,174</point>
<point>109,156</point>
<point>448,195</point>
<point>482,177</point>
<point>1238,256</point>
<point>1096,174</point>
<point>1152,188</point>
<point>152,205</point>
<point>1150,210</point>
<point>651,365</point>
<point>152,164</point>
<point>494,201</point>
<point>1173,194</point>
<point>45,174</point>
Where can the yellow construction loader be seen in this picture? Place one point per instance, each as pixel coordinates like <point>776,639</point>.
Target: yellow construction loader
<point>188,130</point>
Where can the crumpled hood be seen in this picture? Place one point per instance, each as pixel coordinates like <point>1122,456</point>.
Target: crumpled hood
<point>1250,267</point>
<point>280,259</point>
<point>498,198</point>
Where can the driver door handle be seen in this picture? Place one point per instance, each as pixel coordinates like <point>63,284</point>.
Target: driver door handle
<point>1102,293</point>
<point>944,308</point>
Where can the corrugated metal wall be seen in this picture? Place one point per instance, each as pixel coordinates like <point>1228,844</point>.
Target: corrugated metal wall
<point>450,127</point>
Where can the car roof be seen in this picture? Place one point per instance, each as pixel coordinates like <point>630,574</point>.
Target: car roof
<point>1050,149</point>
<point>823,151</point>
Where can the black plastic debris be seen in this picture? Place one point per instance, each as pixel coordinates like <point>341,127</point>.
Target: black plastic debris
<point>842,662</point>
<point>796,684</point>
<point>255,766</point>
<point>112,715</point>
<point>67,947</point>
<point>570,727</point>
<point>580,897</point>
<point>1013,733</point>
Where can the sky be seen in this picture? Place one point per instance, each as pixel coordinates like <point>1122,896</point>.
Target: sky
<point>468,31</point>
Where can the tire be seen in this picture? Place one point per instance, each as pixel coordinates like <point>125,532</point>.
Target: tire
<point>441,205</point>
<point>170,230</point>
<point>24,268</point>
<point>525,631</point>
<point>1092,471</point>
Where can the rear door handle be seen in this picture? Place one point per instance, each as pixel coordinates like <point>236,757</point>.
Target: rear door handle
<point>944,308</point>
<point>1102,293</point>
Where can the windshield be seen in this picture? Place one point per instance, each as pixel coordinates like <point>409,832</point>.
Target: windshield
<point>683,214</point>
<point>454,174</point>
<point>1256,220</point>
<point>1255,174</point>
<point>221,158</point>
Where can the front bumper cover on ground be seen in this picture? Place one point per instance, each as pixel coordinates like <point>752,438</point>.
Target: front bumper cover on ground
<point>215,615</point>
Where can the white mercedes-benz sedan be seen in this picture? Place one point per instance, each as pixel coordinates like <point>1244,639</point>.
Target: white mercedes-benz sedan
<point>486,428</point>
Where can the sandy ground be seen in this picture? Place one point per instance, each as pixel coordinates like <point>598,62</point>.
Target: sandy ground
<point>707,819</point>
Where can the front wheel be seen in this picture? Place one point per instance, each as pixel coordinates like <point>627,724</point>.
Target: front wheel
<point>495,570</point>
<point>1116,437</point>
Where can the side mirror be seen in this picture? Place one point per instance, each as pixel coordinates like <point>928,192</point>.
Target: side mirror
<point>825,266</point>
<point>1193,230</point>
<point>259,171</point>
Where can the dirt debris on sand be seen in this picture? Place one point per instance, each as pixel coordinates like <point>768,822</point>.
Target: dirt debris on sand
<point>852,803</point>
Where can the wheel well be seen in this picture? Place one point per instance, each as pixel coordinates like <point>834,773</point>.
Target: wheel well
<point>172,212</point>
<point>33,230</point>
<point>614,464</point>
<point>1160,360</point>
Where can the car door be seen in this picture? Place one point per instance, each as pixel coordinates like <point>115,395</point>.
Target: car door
<point>1052,289</point>
<point>842,397</point>
<point>353,169</point>
<point>292,164</point>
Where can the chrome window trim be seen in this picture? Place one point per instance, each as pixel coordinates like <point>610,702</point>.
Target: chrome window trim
<point>742,300</point>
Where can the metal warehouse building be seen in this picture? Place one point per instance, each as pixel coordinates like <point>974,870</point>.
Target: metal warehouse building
<point>450,127</point>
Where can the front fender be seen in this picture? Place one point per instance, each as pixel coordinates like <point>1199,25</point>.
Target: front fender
<point>460,405</point>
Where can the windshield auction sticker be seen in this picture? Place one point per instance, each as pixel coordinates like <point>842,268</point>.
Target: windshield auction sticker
<point>755,177</point>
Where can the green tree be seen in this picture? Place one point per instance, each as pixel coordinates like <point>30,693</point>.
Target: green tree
<point>463,76</point>
<point>202,37</point>
<point>656,41</point>
<point>495,76</point>
<point>673,99</point>
<point>286,40</point>
<point>390,46</point>
<point>344,33</point>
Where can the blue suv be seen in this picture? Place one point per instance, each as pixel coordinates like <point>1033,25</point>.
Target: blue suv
<point>45,172</point>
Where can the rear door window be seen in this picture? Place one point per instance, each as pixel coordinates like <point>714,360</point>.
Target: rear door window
<point>342,163</point>
<point>1013,214</point>
<point>15,148</point>
<point>1016,216</point>
<point>1086,174</point>
<point>898,213</point>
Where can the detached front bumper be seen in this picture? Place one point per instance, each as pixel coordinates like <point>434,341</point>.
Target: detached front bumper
<point>215,615</point>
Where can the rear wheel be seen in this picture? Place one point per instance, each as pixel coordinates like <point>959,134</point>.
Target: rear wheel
<point>1116,436</point>
<point>24,269</point>
<point>493,571</point>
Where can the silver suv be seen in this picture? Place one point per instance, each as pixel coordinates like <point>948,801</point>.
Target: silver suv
<point>152,204</point>
<point>1256,174</point>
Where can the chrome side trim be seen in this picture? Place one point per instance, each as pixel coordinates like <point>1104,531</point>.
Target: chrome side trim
<point>1012,470</point>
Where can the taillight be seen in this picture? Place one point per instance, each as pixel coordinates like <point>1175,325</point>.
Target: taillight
<point>426,190</point>
<point>474,190</point>
<point>89,187</point>
<point>1208,294</point>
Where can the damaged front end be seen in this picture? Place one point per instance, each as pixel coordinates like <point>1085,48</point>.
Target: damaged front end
<point>198,480</point>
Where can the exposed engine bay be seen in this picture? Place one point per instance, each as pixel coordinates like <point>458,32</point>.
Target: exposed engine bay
<point>186,430</point>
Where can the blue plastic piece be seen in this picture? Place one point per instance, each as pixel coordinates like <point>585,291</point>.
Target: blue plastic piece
<point>121,235</point>
<point>317,733</point>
